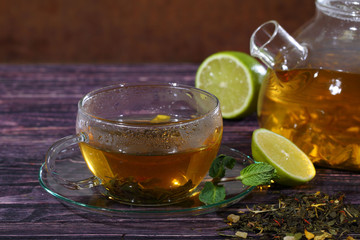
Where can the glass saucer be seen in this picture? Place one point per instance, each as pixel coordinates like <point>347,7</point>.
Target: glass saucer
<point>73,167</point>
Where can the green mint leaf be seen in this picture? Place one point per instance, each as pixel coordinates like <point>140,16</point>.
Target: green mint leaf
<point>229,162</point>
<point>217,169</point>
<point>212,193</point>
<point>257,174</point>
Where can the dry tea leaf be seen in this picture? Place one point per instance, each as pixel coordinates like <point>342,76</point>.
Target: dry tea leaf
<point>323,236</point>
<point>313,216</point>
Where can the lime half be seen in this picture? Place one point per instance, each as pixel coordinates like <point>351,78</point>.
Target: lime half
<point>234,78</point>
<point>292,165</point>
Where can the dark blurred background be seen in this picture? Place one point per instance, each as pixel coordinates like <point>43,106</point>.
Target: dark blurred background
<point>136,31</point>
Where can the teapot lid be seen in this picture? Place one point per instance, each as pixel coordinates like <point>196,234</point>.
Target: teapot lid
<point>343,9</point>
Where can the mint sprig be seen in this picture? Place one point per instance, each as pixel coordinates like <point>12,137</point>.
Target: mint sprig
<point>255,174</point>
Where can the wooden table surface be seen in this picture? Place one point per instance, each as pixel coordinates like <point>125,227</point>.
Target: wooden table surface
<point>38,105</point>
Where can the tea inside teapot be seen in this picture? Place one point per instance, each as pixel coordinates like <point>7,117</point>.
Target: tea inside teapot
<point>311,92</point>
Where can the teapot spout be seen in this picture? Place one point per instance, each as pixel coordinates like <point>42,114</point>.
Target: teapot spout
<point>276,48</point>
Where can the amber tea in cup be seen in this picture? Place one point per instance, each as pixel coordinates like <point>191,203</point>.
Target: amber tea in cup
<point>148,144</point>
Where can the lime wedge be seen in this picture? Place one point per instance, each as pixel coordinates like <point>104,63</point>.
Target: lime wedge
<point>234,78</point>
<point>292,165</point>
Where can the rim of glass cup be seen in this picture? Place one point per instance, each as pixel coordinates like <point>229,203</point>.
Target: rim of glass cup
<point>126,85</point>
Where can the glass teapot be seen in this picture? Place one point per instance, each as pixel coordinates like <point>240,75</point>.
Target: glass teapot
<point>311,93</point>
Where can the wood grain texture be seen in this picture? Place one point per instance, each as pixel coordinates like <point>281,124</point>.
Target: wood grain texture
<point>38,105</point>
<point>137,30</point>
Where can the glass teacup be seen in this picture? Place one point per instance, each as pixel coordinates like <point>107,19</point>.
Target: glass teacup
<point>144,144</point>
